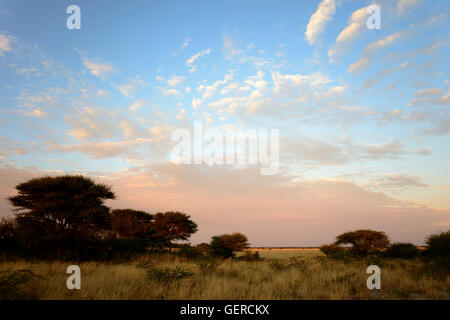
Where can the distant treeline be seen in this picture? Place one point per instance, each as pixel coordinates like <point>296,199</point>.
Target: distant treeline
<point>65,217</point>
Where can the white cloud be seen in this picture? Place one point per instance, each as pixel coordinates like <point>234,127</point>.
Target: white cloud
<point>318,21</point>
<point>183,46</point>
<point>139,104</point>
<point>430,97</point>
<point>196,56</point>
<point>370,51</point>
<point>100,70</point>
<point>174,80</point>
<point>129,88</point>
<point>356,24</point>
<point>5,43</point>
<point>170,92</point>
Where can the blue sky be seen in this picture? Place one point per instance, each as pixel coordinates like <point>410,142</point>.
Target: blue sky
<point>365,109</point>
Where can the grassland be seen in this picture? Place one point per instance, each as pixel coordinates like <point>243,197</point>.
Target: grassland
<point>282,274</point>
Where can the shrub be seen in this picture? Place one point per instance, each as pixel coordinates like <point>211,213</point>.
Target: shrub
<point>167,275</point>
<point>227,244</point>
<point>250,256</point>
<point>189,253</point>
<point>438,244</point>
<point>11,283</point>
<point>402,250</point>
<point>335,252</point>
<point>208,265</point>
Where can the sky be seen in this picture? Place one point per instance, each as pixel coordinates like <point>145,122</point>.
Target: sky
<point>362,114</point>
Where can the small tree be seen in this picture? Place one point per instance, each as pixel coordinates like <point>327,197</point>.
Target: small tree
<point>227,244</point>
<point>438,248</point>
<point>438,244</point>
<point>171,226</point>
<point>132,223</point>
<point>402,250</point>
<point>363,240</point>
<point>53,212</point>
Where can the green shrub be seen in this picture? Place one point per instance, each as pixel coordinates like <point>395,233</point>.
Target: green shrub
<point>168,275</point>
<point>402,250</point>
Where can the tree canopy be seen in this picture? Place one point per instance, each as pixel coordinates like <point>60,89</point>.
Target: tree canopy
<point>171,226</point>
<point>69,207</point>
<point>225,245</point>
<point>363,240</point>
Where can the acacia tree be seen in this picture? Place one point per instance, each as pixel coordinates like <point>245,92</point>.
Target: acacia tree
<point>363,240</point>
<point>132,223</point>
<point>225,245</point>
<point>171,226</point>
<point>61,210</point>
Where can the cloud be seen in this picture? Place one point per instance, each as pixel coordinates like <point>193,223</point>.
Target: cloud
<point>174,80</point>
<point>170,92</point>
<point>133,84</point>
<point>5,43</point>
<point>398,182</point>
<point>405,5</point>
<point>390,148</point>
<point>370,51</point>
<point>105,149</point>
<point>356,24</point>
<point>229,48</point>
<point>98,69</point>
<point>318,21</point>
<point>183,46</point>
<point>208,91</point>
<point>139,104</point>
<point>191,60</point>
<point>430,97</point>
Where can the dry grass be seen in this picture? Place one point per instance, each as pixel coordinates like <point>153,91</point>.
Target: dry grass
<point>303,277</point>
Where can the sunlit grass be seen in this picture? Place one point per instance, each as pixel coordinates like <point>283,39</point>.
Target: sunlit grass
<point>276,277</point>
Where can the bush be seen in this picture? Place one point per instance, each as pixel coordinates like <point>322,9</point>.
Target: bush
<point>167,275</point>
<point>335,252</point>
<point>438,244</point>
<point>208,265</point>
<point>402,250</point>
<point>189,253</point>
<point>250,256</point>
<point>11,283</point>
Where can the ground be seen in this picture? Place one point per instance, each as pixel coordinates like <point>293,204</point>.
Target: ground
<point>283,274</point>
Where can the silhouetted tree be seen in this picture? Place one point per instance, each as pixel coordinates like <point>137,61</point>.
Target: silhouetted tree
<point>55,212</point>
<point>8,235</point>
<point>171,226</point>
<point>402,250</point>
<point>363,240</point>
<point>225,245</point>
<point>132,223</point>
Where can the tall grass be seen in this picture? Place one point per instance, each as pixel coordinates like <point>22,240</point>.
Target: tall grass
<point>292,278</point>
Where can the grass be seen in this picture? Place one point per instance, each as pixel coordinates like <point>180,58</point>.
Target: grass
<point>281,275</point>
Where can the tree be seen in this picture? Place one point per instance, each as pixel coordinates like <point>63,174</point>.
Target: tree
<point>171,226</point>
<point>225,245</point>
<point>66,210</point>
<point>438,244</point>
<point>363,240</point>
<point>402,250</point>
<point>132,223</point>
<point>8,235</point>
